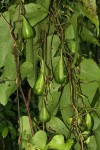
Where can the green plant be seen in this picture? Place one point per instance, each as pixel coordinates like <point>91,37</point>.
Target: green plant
<point>49,75</point>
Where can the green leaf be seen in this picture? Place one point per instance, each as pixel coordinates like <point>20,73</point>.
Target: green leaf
<point>28,146</point>
<point>35,13</point>
<point>88,36</point>
<point>89,90</point>
<point>44,3</point>
<point>9,106</point>
<point>32,56</point>
<point>10,113</point>
<point>12,132</point>
<point>55,61</point>
<point>57,142</point>
<point>25,128</point>
<point>89,70</point>
<point>6,89</point>
<point>26,69</point>
<point>55,44</point>
<point>71,45</point>
<point>3,125</point>
<point>53,97</point>
<point>13,12</point>
<point>70,142</point>
<point>55,125</point>
<point>74,22</point>
<point>40,139</point>
<point>96,120</point>
<point>97,137</point>
<point>9,68</point>
<point>69,32</point>
<point>65,104</point>
<point>5,132</point>
<point>77,146</point>
<point>24,125</point>
<point>6,42</point>
<point>98,111</point>
<point>90,10</point>
<point>92,143</point>
<point>31,79</point>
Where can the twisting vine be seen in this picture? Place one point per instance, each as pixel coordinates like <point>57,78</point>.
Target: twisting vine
<point>18,76</point>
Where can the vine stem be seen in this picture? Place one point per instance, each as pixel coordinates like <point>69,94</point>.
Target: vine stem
<point>18,75</point>
<point>18,82</point>
<point>18,78</point>
<point>28,110</point>
<point>73,95</point>
<point>73,99</point>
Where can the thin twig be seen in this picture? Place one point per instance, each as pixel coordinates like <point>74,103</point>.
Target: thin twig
<point>29,96</point>
<point>28,110</point>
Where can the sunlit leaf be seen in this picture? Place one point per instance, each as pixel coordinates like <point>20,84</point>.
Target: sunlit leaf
<point>6,42</point>
<point>90,10</point>
<point>26,69</point>
<point>66,104</point>
<point>89,70</point>
<point>40,139</point>
<point>55,125</point>
<point>97,136</point>
<point>88,36</point>
<point>35,13</point>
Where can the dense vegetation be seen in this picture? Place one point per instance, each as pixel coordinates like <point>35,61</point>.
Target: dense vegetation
<point>49,75</point>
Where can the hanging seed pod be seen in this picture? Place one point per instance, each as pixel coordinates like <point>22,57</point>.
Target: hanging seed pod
<point>44,115</point>
<point>59,75</point>
<point>89,122</point>
<point>39,84</point>
<point>27,31</point>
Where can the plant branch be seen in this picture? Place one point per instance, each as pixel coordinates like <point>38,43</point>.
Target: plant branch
<point>18,81</point>
<point>28,110</point>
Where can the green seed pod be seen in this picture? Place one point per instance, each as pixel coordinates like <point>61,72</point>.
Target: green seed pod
<point>44,115</point>
<point>59,75</point>
<point>39,85</point>
<point>69,120</point>
<point>27,31</point>
<point>89,122</point>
